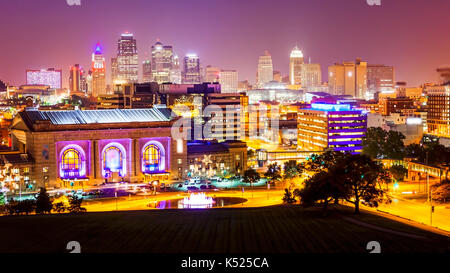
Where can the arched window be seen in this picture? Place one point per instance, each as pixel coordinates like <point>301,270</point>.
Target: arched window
<point>113,160</point>
<point>151,158</point>
<point>72,162</point>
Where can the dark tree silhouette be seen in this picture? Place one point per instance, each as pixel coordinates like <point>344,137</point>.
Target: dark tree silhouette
<point>43,202</point>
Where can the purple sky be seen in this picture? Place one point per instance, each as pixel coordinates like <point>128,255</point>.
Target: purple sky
<point>412,35</point>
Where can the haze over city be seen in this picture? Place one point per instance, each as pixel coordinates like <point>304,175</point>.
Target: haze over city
<point>230,34</point>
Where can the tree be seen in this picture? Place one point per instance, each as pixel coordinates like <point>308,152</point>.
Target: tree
<point>24,206</point>
<point>43,202</point>
<point>59,207</point>
<point>323,161</point>
<point>273,172</point>
<point>289,197</point>
<point>441,191</point>
<point>251,176</point>
<point>75,204</point>
<point>360,175</point>
<point>323,187</point>
<point>379,143</point>
<point>398,172</point>
<point>292,169</point>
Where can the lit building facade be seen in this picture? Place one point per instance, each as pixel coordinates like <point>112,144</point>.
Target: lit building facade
<point>228,80</point>
<point>335,126</point>
<point>295,67</point>
<point>75,79</point>
<point>175,73</point>
<point>162,61</point>
<point>380,78</point>
<point>98,72</point>
<point>348,78</point>
<point>212,74</point>
<point>311,75</point>
<point>265,70</point>
<point>438,105</point>
<point>51,77</point>
<point>191,71</point>
<point>84,148</point>
<point>127,59</point>
<point>146,71</point>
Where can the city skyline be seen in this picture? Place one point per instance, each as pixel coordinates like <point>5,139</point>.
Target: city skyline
<point>389,42</point>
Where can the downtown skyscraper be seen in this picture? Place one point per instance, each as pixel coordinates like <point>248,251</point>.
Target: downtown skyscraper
<point>191,71</point>
<point>126,67</point>
<point>265,70</point>
<point>295,66</point>
<point>98,72</point>
<point>348,78</point>
<point>162,62</point>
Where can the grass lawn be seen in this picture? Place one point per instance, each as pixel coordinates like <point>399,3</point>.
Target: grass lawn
<point>254,230</point>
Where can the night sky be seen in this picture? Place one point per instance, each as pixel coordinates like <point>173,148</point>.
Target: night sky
<point>412,35</point>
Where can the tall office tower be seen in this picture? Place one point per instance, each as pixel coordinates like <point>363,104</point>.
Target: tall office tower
<point>380,78</point>
<point>265,69</point>
<point>191,69</point>
<point>83,81</point>
<point>127,59</point>
<point>311,76</point>
<point>146,71</point>
<point>75,79</point>
<point>98,72</point>
<point>444,75</point>
<point>51,77</point>
<point>228,80</point>
<point>438,107</point>
<point>295,66</point>
<point>277,76</point>
<point>162,61</point>
<point>348,78</point>
<point>212,74</point>
<point>114,69</point>
<point>335,126</point>
<point>175,73</point>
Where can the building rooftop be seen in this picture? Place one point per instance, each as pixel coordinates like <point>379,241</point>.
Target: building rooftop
<point>72,117</point>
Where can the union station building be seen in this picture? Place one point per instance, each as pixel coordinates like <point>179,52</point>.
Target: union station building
<point>90,147</point>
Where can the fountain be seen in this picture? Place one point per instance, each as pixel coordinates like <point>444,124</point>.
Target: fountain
<point>197,200</point>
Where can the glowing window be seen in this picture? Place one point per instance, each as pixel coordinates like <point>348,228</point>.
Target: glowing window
<point>112,158</point>
<point>71,160</point>
<point>151,157</point>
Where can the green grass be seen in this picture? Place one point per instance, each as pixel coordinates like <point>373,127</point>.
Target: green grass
<point>254,230</point>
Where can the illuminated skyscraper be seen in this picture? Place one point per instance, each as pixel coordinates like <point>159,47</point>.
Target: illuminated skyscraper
<point>175,73</point>
<point>265,69</point>
<point>162,61</point>
<point>229,81</point>
<point>212,74</point>
<point>146,71</point>
<point>192,69</point>
<point>127,59</point>
<point>75,79</point>
<point>311,76</point>
<point>348,78</point>
<point>380,78</point>
<point>98,72</point>
<point>295,66</point>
